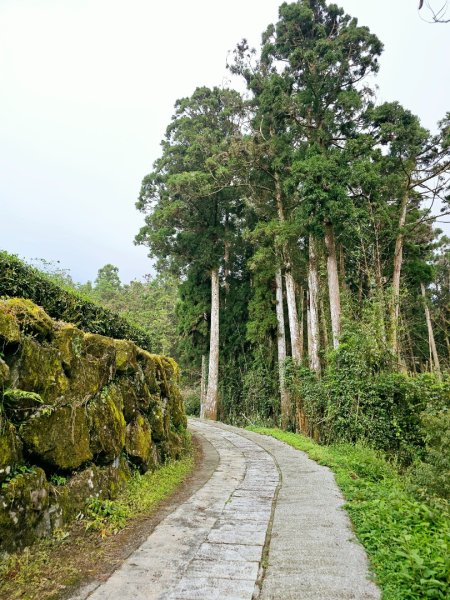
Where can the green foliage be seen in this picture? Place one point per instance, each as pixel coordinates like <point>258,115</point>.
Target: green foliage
<point>148,304</point>
<point>141,496</point>
<point>103,512</point>
<point>431,474</point>
<point>58,479</point>
<point>406,539</point>
<point>362,397</point>
<point>192,402</point>
<point>18,279</point>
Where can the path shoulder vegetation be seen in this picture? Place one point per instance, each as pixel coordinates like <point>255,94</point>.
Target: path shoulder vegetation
<point>406,537</point>
<point>96,543</point>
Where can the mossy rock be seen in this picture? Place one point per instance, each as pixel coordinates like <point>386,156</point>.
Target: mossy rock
<point>107,426</point>
<point>60,439</point>
<point>171,368</point>
<point>9,327</point>
<point>176,408</point>
<point>102,482</point>
<point>172,447</point>
<point>37,368</point>
<point>149,365</point>
<point>138,445</point>
<point>86,379</point>
<point>167,373</point>
<point>159,420</point>
<point>104,349</point>
<point>126,356</point>
<point>23,503</point>
<point>4,374</point>
<point>69,341</point>
<point>30,317</point>
<point>10,448</point>
<point>136,394</point>
<point>20,405</point>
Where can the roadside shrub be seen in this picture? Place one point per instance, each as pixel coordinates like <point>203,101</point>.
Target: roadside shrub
<point>361,398</point>
<point>192,402</point>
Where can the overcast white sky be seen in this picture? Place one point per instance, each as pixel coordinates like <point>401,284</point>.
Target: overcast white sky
<point>87,89</point>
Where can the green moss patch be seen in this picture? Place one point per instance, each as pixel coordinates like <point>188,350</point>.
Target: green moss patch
<point>60,438</point>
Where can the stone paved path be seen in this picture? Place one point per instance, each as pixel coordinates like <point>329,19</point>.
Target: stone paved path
<point>268,524</point>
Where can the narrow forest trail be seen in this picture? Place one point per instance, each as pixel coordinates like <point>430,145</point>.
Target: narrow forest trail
<point>268,524</point>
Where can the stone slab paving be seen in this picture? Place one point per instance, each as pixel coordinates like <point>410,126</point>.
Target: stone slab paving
<point>313,553</point>
<point>264,499</point>
<point>211,546</point>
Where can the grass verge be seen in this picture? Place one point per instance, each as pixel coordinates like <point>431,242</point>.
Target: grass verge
<point>406,539</point>
<point>48,568</point>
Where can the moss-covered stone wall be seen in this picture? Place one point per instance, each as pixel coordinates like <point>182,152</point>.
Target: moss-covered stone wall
<point>78,411</point>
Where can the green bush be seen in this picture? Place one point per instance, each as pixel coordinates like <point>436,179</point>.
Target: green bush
<point>431,474</point>
<point>361,397</point>
<point>192,402</point>
<point>18,279</point>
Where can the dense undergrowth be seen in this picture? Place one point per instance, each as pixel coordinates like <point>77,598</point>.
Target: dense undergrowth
<point>406,535</point>
<point>45,570</point>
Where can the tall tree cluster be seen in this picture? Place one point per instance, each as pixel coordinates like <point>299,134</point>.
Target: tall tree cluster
<point>298,218</point>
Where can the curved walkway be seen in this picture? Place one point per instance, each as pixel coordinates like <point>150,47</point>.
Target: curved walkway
<point>268,524</point>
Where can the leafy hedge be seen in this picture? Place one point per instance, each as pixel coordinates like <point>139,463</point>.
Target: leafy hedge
<point>18,279</point>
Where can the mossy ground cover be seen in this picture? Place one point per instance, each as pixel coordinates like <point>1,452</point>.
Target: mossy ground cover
<point>406,538</point>
<point>49,568</point>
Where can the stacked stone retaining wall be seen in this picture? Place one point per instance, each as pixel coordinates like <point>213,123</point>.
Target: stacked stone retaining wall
<point>78,413</point>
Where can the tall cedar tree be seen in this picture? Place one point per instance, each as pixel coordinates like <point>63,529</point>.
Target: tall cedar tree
<point>190,198</point>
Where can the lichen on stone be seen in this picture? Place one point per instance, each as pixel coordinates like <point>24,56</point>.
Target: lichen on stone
<point>36,368</point>
<point>9,327</point>
<point>4,374</point>
<point>23,503</point>
<point>30,318</point>
<point>81,406</point>
<point>126,356</point>
<point>60,439</point>
<point>107,426</point>
<point>138,444</point>
<point>10,448</point>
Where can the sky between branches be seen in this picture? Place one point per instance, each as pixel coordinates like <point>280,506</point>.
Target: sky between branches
<point>87,89</point>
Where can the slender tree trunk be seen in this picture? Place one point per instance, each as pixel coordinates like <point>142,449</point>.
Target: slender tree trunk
<point>398,258</point>
<point>284,396</point>
<point>324,340</point>
<point>432,343</point>
<point>333,284</point>
<point>226,258</point>
<point>294,328</point>
<point>203,387</point>
<point>302,321</point>
<point>342,267</point>
<point>308,327</point>
<point>213,371</point>
<point>313,281</point>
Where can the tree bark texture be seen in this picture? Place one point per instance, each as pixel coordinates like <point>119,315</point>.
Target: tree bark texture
<point>281,339</point>
<point>313,282</point>
<point>213,371</point>
<point>333,284</point>
<point>203,387</point>
<point>294,327</point>
<point>433,351</point>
